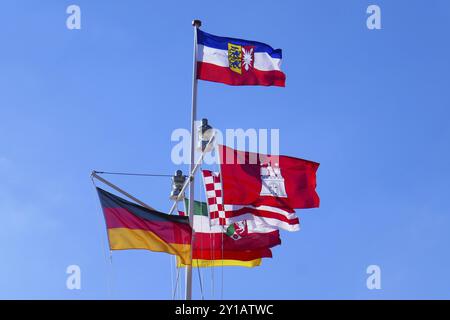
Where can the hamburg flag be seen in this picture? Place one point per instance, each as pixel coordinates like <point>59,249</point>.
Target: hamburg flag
<point>228,214</point>
<point>264,180</point>
<point>238,62</point>
<point>131,226</point>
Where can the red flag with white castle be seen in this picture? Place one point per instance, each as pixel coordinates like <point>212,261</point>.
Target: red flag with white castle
<point>228,214</point>
<point>266,180</point>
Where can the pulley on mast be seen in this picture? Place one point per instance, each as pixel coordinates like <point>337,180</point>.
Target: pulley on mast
<point>178,181</point>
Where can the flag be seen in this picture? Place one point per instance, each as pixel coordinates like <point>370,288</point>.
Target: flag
<point>238,245</point>
<point>244,255</point>
<point>226,214</point>
<point>131,226</point>
<point>219,258</point>
<point>238,62</point>
<point>263,180</point>
<point>247,235</point>
<point>201,263</point>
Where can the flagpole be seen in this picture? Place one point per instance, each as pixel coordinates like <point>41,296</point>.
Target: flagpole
<point>196,24</point>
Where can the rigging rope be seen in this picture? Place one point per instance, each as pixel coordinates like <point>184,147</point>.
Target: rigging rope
<point>221,288</point>
<point>176,285</point>
<point>174,268</point>
<point>181,281</point>
<point>134,174</point>
<point>109,273</point>
<point>171,274</point>
<point>201,249</point>
<point>201,282</point>
<point>213,245</point>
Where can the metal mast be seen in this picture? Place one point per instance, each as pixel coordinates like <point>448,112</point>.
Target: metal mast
<point>196,24</point>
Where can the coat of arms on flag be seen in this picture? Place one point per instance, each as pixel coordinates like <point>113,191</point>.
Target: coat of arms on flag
<point>240,58</point>
<point>237,230</point>
<point>272,182</point>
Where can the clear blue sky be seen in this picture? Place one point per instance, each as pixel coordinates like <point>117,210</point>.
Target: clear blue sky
<point>371,106</point>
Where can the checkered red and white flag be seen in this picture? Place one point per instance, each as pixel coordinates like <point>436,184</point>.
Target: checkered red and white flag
<point>213,188</point>
<point>224,214</point>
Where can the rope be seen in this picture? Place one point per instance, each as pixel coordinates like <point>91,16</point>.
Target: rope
<point>109,276</point>
<point>171,274</point>
<point>134,174</point>
<point>200,281</point>
<point>173,266</point>
<point>180,286</point>
<point>111,273</point>
<point>221,289</point>
<point>176,286</point>
<point>222,247</point>
<point>213,242</point>
<point>201,251</point>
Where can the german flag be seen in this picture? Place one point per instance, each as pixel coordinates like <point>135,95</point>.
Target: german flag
<point>131,226</point>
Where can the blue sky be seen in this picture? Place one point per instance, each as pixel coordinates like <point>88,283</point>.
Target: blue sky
<point>370,106</point>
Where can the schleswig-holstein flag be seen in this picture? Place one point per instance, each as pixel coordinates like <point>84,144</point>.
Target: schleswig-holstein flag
<point>238,62</point>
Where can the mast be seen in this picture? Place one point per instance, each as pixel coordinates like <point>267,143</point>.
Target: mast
<point>196,24</point>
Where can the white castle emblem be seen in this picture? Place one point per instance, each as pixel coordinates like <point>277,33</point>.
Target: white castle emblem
<point>272,181</point>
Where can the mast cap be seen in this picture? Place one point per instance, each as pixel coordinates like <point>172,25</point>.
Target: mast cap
<point>196,23</point>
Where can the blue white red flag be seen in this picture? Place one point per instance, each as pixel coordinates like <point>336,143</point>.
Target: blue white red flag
<point>238,62</point>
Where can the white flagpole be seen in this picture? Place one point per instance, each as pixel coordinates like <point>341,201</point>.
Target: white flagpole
<point>196,24</point>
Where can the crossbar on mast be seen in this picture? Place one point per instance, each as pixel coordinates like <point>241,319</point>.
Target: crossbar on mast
<point>96,176</point>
